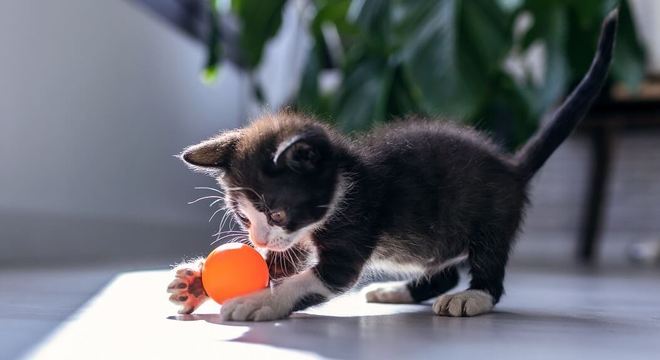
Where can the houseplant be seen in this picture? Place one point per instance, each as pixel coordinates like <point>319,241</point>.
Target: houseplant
<point>444,58</point>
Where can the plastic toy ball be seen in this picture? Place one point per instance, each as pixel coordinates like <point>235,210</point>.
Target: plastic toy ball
<point>233,270</point>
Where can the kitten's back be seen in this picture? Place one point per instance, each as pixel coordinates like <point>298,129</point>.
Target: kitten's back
<point>437,180</point>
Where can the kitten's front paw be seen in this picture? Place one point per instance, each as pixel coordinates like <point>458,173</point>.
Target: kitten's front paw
<point>261,306</point>
<point>464,303</point>
<point>391,293</point>
<point>186,288</point>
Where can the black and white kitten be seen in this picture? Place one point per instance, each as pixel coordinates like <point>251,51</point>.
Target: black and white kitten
<point>419,194</point>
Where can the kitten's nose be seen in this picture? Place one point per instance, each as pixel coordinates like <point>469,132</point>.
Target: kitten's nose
<point>259,240</point>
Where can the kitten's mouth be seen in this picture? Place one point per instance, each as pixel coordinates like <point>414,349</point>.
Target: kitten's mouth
<point>270,247</point>
<point>277,246</point>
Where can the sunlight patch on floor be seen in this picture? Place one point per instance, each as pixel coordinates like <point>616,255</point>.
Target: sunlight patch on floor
<point>132,318</point>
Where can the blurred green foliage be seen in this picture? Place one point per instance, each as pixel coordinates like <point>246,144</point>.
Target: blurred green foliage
<point>440,57</point>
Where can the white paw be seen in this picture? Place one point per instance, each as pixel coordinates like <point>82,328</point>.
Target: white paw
<point>464,303</point>
<point>392,293</point>
<point>186,288</point>
<point>261,306</point>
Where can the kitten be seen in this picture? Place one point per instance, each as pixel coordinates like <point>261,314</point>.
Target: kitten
<point>420,195</point>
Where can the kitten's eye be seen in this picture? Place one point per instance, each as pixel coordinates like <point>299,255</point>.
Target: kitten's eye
<point>243,218</point>
<point>278,217</point>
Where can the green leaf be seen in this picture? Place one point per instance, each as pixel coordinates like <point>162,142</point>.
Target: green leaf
<point>372,20</point>
<point>309,97</point>
<point>210,75</point>
<point>371,16</point>
<point>550,26</point>
<point>508,114</point>
<point>362,100</point>
<point>402,98</point>
<point>259,20</point>
<point>453,47</point>
<point>332,12</point>
<point>214,56</point>
<point>510,5</point>
<point>486,31</point>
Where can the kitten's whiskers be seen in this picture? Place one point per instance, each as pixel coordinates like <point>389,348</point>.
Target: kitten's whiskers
<point>204,198</point>
<point>209,188</point>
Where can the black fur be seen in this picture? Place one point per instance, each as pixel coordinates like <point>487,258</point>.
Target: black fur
<point>414,193</point>
<point>432,286</point>
<point>307,301</point>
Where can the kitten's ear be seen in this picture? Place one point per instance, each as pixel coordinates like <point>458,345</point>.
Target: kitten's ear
<point>304,153</point>
<point>213,153</point>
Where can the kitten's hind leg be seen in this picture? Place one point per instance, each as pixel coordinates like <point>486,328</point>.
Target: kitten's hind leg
<point>487,264</point>
<point>414,291</point>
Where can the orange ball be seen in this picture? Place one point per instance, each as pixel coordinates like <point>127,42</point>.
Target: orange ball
<point>233,270</point>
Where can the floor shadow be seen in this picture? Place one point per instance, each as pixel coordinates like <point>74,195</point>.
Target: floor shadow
<point>409,334</point>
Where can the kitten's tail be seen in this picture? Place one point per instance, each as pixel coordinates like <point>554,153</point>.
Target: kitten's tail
<point>538,149</point>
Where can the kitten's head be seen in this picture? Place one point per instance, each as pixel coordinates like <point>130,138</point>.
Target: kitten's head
<point>279,175</point>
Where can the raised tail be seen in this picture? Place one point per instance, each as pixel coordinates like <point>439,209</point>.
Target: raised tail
<point>538,149</point>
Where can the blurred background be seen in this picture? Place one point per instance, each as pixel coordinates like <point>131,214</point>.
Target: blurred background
<point>96,97</point>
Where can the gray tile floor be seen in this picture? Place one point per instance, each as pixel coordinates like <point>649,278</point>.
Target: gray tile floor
<point>34,301</point>
<point>547,313</point>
